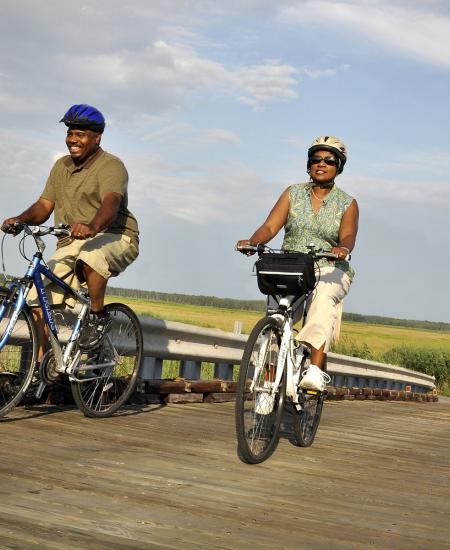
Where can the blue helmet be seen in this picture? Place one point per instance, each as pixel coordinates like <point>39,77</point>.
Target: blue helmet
<point>85,116</point>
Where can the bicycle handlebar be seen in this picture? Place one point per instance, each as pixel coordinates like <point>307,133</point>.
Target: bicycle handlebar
<point>317,253</point>
<point>37,231</point>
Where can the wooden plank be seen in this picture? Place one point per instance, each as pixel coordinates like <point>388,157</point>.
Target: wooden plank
<point>221,397</point>
<point>206,386</point>
<point>184,398</point>
<point>169,477</point>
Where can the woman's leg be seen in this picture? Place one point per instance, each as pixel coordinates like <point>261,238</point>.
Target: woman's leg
<point>318,356</point>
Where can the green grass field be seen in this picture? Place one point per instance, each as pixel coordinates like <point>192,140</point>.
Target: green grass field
<point>377,338</point>
<point>369,341</point>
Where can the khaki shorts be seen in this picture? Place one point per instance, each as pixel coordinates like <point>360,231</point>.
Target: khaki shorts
<point>108,254</point>
<point>323,307</point>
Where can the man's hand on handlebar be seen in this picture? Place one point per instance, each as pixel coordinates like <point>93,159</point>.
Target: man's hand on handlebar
<point>82,231</point>
<point>12,226</point>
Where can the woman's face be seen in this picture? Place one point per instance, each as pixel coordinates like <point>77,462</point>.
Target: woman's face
<point>320,171</point>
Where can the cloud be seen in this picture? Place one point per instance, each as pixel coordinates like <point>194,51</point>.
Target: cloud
<point>168,132</point>
<point>219,135</point>
<point>418,30</point>
<point>324,73</point>
<point>204,194</point>
<point>431,193</point>
<point>263,83</point>
<point>161,74</point>
<point>149,58</point>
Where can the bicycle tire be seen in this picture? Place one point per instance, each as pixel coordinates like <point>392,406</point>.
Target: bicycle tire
<point>258,414</point>
<point>112,386</point>
<point>306,421</point>
<point>18,356</point>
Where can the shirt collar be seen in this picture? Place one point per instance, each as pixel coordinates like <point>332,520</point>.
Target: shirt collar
<point>72,167</point>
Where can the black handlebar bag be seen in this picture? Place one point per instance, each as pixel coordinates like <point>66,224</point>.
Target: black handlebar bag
<point>289,274</point>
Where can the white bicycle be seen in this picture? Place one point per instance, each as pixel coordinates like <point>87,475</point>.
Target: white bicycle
<point>273,362</point>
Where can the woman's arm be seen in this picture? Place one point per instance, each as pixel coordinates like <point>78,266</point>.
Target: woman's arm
<point>348,230</point>
<point>274,222</point>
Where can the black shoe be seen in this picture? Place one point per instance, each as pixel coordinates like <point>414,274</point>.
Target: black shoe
<point>94,330</point>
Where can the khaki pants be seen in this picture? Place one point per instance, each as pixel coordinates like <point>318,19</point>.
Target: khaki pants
<point>323,307</point>
<point>108,254</point>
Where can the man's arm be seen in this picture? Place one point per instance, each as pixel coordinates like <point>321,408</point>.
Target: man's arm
<point>106,214</point>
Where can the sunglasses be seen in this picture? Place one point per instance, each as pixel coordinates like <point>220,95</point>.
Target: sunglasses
<point>330,161</point>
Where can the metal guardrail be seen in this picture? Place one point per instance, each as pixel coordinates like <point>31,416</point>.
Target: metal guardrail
<point>193,345</point>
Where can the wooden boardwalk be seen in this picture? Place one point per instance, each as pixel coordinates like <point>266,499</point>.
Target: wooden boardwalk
<point>377,477</point>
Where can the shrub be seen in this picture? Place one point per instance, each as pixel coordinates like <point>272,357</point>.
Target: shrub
<point>347,346</point>
<point>428,361</point>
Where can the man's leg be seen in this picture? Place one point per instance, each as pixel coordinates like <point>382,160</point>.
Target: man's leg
<point>42,331</point>
<point>99,321</point>
<point>96,286</point>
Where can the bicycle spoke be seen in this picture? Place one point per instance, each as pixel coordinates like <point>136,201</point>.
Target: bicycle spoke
<point>17,359</point>
<point>121,350</point>
<point>259,404</point>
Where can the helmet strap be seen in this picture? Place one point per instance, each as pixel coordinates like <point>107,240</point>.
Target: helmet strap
<point>327,185</point>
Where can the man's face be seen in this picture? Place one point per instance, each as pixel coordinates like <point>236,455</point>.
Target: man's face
<point>82,143</point>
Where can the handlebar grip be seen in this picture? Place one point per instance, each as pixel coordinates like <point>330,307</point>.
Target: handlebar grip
<point>13,228</point>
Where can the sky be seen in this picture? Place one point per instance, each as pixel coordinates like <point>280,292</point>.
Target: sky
<point>212,106</point>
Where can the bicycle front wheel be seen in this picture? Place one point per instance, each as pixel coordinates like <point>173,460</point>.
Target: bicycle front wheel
<point>18,356</point>
<point>259,406</point>
<point>108,376</point>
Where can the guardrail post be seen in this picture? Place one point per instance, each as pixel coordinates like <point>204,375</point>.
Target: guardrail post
<point>190,370</point>
<point>224,371</point>
<point>151,368</point>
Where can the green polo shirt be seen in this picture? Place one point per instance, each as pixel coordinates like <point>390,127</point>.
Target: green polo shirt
<point>78,191</point>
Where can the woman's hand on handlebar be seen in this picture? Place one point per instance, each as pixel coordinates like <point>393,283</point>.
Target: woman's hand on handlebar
<point>341,252</point>
<point>245,247</point>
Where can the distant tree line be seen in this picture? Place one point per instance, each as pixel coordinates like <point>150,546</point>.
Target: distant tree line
<point>392,321</point>
<point>211,301</point>
<point>259,305</point>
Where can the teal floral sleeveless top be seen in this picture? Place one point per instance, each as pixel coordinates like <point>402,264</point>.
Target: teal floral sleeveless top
<point>303,227</point>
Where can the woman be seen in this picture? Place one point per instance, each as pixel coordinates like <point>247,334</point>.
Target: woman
<point>317,212</point>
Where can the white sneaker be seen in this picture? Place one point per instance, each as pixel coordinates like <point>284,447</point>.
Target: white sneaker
<point>264,401</point>
<point>314,379</point>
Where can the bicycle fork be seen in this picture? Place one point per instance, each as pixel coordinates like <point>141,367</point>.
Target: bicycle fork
<point>261,363</point>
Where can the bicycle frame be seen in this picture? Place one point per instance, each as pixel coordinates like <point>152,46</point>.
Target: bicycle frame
<point>286,352</point>
<point>33,275</point>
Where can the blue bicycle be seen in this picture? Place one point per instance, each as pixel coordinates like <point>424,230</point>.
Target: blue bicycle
<point>102,377</point>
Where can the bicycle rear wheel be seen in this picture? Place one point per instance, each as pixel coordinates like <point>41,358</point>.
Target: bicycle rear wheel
<point>259,408</point>
<point>102,391</point>
<point>18,356</point>
<point>307,420</point>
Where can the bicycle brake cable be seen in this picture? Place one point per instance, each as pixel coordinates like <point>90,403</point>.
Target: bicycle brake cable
<point>3,256</point>
<point>22,248</point>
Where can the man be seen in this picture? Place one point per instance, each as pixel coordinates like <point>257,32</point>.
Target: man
<point>86,189</point>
